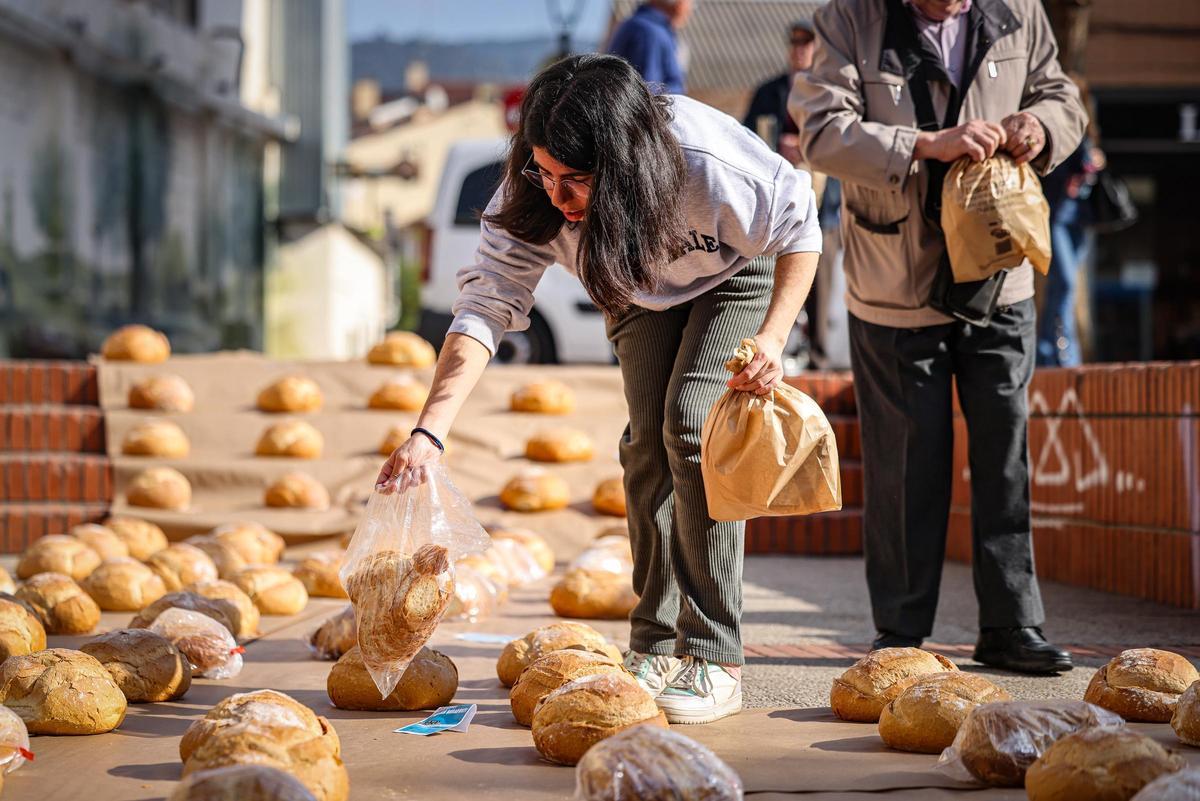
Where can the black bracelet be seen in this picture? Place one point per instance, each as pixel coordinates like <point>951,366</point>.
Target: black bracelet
<point>432,437</point>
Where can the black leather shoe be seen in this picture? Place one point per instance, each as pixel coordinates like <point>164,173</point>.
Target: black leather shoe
<point>886,639</point>
<point>1023,650</point>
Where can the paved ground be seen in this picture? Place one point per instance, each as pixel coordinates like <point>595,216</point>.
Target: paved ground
<point>809,601</point>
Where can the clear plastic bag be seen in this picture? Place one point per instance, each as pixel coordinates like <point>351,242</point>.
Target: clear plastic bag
<point>646,763</point>
<point>337,635</point>
<point>608,555</point>
<point>522,565</point>
<point>208,646</point>
<point>997,742</point>
<point>14,741</point>
<point>399,570</point>
<point>475,595</point>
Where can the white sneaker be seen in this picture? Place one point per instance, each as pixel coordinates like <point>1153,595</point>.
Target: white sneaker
<point>701,692</point>
<point>652,671</point>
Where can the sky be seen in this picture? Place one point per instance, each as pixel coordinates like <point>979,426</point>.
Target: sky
<point>468,20</point>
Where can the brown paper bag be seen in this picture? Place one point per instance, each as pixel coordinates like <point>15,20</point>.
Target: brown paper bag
<point>769,455</point>
<point>995,216</point>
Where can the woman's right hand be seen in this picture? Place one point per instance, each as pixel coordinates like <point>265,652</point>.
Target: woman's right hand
<point>405,468</point>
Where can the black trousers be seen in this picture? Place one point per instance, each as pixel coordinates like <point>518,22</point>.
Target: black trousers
<point>903,380</point>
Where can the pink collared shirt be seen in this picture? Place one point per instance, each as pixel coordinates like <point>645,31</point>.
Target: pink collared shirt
<point>949,38</point>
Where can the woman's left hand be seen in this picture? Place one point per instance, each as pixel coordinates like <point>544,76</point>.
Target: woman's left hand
<point>765,370</point>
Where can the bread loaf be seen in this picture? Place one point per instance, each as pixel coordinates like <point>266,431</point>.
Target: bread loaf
<point>583,712</point>
<point>1142,684</point>
<point>6,582</point>
<point>544,397</point>
<point>395,437</point>
<point>227,559</point>
<point>20,630</point>
<point>60,691</point>
<point>402,349</point>
<point>160,438</point>
<point>159,488</point>
<point>337,635</point>
<point>142,537</point>
<point>318,572</point>
<point>609,497</point>
<point>256,544</point>
<point>293,393</point>
<point>403,394</point>
<point>536,543</point>
<point>925,717</point>
<point>553,637</point>
<point>535,490</point>
<point>208,645</point>
<point>292,438</point>
<point>145,666</point>
<point>1186,718</point>
<point>182,564</point>
<point>58,553</point>
<point>163,393</point>
<point>606,555</point>
<point>559,445</point>
<point>649,763</point>
<point>861,693</point>
<point>61,605</point>
<point>489,568</point>
<point>475,595</point>
<point>274,590</point>
<point>265,708</point>
<point>101,539</point>
<point>518,561</point>
<point>241,783</point>
<point>238,605</point>
<point>549,672</point>
<point>429,681</point>
<point>593,595</point>
<point>221,610</point>
<point>1099,764</point>
<point>297,491</point>
<point>123,585</point>
<point>136,343</point>
<point>1181,786</point>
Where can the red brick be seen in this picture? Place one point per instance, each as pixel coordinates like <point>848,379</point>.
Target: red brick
<point>18,431</point>
<point>93,432</point>
<point>18,381</point>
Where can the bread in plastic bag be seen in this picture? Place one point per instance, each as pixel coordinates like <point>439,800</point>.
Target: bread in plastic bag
<point>208,645</point>
<point>399,570</point>
<point>605,555</point>
<point>491,569</point>
<point>767,455</point>
<point>522,564</point>
<point>997,742</point>
<point>243,783</point>
<point>14,741</point>
<point>647,763</point>
<point>995,216</point>
<point>475,595</point>
<point>337,635</point>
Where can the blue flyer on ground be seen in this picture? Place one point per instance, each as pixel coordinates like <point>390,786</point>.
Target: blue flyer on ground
<point>446,718</point>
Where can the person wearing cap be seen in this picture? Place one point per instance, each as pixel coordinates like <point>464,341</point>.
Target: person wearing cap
<point>770,98</point>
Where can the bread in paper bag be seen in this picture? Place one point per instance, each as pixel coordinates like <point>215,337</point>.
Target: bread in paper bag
<point>768,455</point>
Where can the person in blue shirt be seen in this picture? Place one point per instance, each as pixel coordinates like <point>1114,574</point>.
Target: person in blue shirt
<point>646,39</point>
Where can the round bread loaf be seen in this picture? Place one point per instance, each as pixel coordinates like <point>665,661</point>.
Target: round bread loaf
<point>649,763</point>
<point>429,681</point>
<point>609,497</point>
<point>265,708</point>
<point>559,445</point>
<point>535,542</point>
<point>101,539</point>
<point>296,439</point>
<point>244,614</point>
<point>318,572</point>
<point>60,603</point>
<point>1186,718</point>
<point>293,393</point>
<point>1142,684</point>
<point>1100,764</point>
<point>241,783</point>
<point>518,561</point>
<point>136,343</point>
<point>583,712</point>
<point>20,630</point>
<point>123,585</point>
<point>551,671</point>
<point>492,570</point>
<point>58,553</point>
<point>315,761</point>
<point>593,595</point>
<point>1181,786</point>
<point>297,491</point>
<point>159,488</point>
<point>606,555</point>
<point>402,349</point>
<point>6,582</point>
<point>221,610</point>
<point>274,590</point>
<point>395,437</point>
<point>337,635</point>
<point>399,394</point>
<point>475,595</point>
<point>60,691</point>
<point>553,637</point>
<point>861,693</point>
<point>209,647</point>
<point>535,490</point>
<point>999,741</point>
<point>544,397</point>
<point>228,560</point>
<point>181,564</point>
<point>163,393</point>
<point>257,544</point>
<point>160,438</point>
<point>142,537</point>
<point>147,667</point>
<point>925,717</point>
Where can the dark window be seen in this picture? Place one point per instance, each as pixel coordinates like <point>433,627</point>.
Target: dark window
<point>477,189</point>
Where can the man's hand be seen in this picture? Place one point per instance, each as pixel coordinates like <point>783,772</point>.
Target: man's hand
<point>1026,136</point>
<point>977,139</point>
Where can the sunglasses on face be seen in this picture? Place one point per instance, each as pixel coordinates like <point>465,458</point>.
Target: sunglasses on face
<point>572,186</point>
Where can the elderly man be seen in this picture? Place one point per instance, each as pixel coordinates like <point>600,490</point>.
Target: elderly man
<point>899,90</point>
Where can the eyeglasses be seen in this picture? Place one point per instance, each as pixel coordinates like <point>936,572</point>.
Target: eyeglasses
<point>571,186</point>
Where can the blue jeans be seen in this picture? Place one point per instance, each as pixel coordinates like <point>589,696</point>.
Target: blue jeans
<point>1057,341</point>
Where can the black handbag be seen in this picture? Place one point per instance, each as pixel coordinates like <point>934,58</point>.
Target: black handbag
<point>1109,205</point>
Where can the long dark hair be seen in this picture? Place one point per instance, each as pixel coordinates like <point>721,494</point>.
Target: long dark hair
<point>594,113</point>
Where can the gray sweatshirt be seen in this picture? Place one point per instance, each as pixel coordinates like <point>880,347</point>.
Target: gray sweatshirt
<point>741,200</point>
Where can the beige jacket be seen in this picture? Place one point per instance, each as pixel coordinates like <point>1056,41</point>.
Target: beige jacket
<point>857,123</point>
